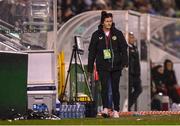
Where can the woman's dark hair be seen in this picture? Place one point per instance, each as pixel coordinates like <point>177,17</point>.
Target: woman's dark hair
<point>165,63</point>
<point>104,15</point>
<point>154,71</point>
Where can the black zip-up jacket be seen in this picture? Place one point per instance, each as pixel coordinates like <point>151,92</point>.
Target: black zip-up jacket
<point>117,45</point>
<point>134,63</point>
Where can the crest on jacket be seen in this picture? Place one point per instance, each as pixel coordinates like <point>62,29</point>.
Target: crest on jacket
<point>114,37</point>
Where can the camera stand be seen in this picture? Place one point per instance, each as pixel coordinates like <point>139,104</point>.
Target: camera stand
<point>75,54</point>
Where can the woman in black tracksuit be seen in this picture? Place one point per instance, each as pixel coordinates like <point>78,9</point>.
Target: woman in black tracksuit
<point>108,48</point>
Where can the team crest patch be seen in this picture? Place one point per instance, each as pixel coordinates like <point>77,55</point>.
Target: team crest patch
<point>114,37</point>
<point>100,37</point>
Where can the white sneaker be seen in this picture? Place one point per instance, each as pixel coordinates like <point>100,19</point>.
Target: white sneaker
<point>105,111</point>
<point>115,114</point>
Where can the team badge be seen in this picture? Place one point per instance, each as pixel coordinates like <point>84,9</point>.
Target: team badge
<point>114,37</point>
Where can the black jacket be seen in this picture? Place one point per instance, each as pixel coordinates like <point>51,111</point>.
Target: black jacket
<point>117,45</point>
<point>134,64</point>
<point>169,78</point>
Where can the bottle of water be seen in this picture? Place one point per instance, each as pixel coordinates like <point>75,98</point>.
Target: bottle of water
<point>40,108</point>
<point>77,110</point>
<point>69,111</point>
<point>35,107</point>
<point>62,111</point>
<point>81,111</point>
<point>45,108</point>
<point>58,106</point>
<point>65,111</point>
<point>73,112</point>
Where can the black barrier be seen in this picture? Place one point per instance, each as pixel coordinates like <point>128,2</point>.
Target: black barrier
<point>90,109</point>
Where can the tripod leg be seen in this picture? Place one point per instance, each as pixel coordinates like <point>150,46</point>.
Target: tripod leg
<point>85,76</point>
<point>68,72</point>
<point>76,81</point>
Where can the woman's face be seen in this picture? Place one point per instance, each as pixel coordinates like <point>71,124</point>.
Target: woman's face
<point>160,70</point>
<point>169,66</point>
<point>107,23</point>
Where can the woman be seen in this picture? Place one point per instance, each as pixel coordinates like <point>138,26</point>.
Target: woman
<point>158,79</point>
<point>171,81</point>
<point>108,48</point>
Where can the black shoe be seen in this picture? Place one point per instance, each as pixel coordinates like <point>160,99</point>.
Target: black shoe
<point>105,115</point>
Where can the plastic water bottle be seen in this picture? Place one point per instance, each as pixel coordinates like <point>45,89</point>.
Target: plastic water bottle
<point>34,107</point>
<point>73,112</point>
<point>37,107</point>
<point>78,110</point>
<point>62,111</point>
<point>69,111</point>
<point>41,107</point>
<point>81,111</point>
<point>84,109</point>
<point>44,108</point>
<point>58,106</point>
<point>65,111</point>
